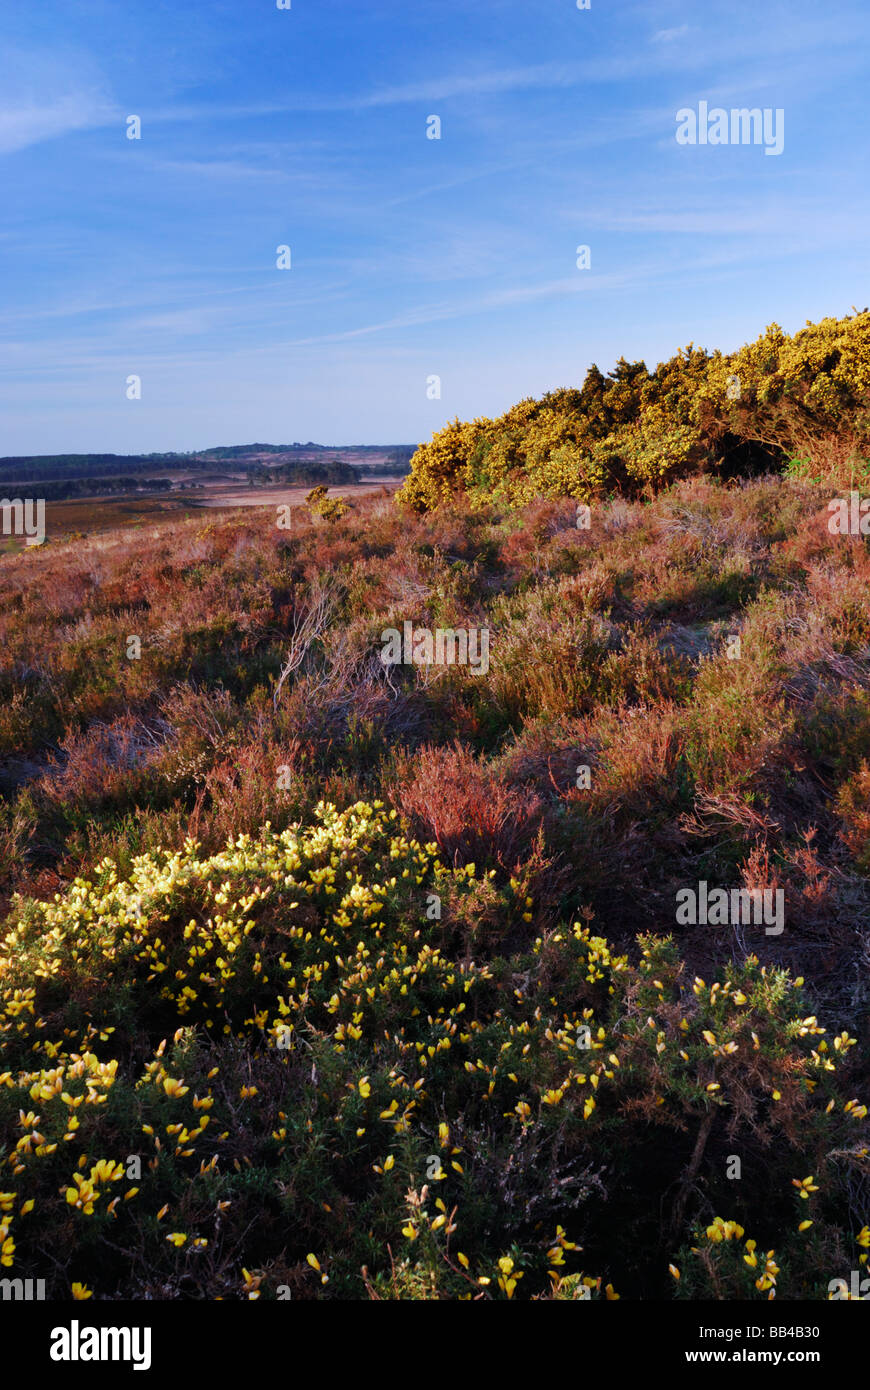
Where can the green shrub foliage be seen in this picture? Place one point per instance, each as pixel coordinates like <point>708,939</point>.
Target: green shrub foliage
<point>776,402</point>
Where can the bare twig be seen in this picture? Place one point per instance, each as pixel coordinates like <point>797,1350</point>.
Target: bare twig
<point>310,621</point>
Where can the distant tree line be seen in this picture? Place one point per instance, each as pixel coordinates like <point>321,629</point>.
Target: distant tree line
<point>26,468</point>
<point>330,471</point>
<point>60,489</point>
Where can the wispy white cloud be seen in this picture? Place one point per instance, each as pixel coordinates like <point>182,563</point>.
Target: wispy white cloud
<point>24,124</point>
<point>475,82</point>
<point>466,308</point>
<point>49,92</point>
<point>181,322</point>
<point>219,168</point>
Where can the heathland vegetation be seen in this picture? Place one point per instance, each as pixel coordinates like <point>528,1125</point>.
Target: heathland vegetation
<point>321,977</point>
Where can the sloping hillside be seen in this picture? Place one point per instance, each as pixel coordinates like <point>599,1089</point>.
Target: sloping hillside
<point>420,1013</point>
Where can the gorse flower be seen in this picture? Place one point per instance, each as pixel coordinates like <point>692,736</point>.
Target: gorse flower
<point>327,1045</point>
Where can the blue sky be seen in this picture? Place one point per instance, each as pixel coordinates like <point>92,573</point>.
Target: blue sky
<point>411,257</point>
